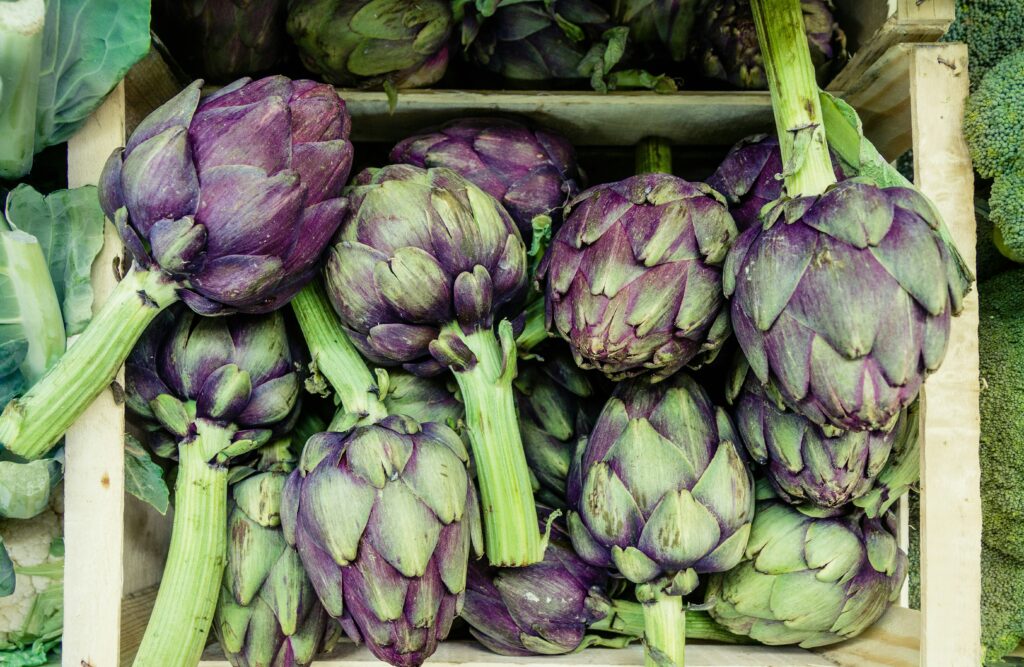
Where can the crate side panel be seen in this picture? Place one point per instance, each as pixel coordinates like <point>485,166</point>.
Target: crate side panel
<point>94,447</point>
<point>950,470</point>
<point>894,641</point>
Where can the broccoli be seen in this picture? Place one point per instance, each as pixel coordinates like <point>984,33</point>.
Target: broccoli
<point>994,120</point>
<point>1002,604</point>
<point>990,28</point>
<point>1001,332</point>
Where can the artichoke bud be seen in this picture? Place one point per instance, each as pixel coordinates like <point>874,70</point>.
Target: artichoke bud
<point>225,393</point>
<point>176,245</point>
<point>450,350</point>
<point>172,414</point>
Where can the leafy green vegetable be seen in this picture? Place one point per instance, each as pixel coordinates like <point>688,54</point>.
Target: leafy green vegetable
<point>143,478</point>
<point>21,48</point>
<point>25,488</point>
<point>69,227</point>
<point>88,48</point>
<point>6,571</point>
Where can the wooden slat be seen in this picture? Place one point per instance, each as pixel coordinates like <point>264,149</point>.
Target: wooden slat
<point>894,641</point>
<point>939,12</point>
<point>135,611</point>
<point>94,474</point>
<point>950,473</point>
<point>881,98</point>
<point>471,654</point>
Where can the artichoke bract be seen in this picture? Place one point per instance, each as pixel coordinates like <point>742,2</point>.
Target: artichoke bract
<point>805,462</point>
<point>725,46</point>
<point>558,405</point>
<point>634,276</point>
<point>659,28</point>
<point>422,399</point>
<point>391,567</point>
<point>750,177</point>
<point>221,387</point>
<point>268,614</point>
<point>222,40</point>
<point>365,43</point>
<point>423,266</point>
<point>531,171</point>
<point>225,203</point>
<point>661,493</point>
<point>842,298</point>
<point>811,579</point>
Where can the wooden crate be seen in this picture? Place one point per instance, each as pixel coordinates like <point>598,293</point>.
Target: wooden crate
<point>914,95</point>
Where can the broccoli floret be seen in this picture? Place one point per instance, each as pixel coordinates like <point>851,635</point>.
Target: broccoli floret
<point>991,30</point>
<point>1002,604</point>
<point>994,119</point>
<point>1006,210</point>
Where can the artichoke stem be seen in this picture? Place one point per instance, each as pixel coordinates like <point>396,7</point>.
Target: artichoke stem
<point>653,156</point>
<point>187,599</point>
<point>627,618</point>
<point>334,354</point>
<point>535,331</point>
<point>32,424</point>
<point>665,632</point>
<point>795,101</point>
<point>511,538</point>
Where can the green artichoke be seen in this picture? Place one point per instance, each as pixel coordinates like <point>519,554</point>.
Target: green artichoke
<point>395,43</point>
<point>268,614</point>
<point>810,577</point>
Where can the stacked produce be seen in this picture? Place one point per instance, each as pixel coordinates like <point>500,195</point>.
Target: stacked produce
<point>493,341</point>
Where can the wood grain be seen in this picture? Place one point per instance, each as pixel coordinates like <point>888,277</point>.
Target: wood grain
<point>94,446</point>
<point>950,471</point>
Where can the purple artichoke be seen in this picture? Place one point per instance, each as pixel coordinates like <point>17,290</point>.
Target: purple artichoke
<point>225,203</point>
<point>811,579</point>
<point>221,40</point>
<point>391,567</point>
<point>822,465</point>
<point>843,301</point>
<point>750,176</point>
<point>532,172</point>
<point>395,43</point>
<point>634,277</point>
<point>725,46</point>
<point>236,195</point>
<point>220,387</point>
<point>422,267</point>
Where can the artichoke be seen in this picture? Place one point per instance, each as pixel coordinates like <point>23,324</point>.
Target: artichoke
<point>750,177</point>
<point>267,614</point>
<point>392,566</point>
<point>394,43</point>
<point>725,46</point>
<point>225,203</point>
<point>558,405</point>
<point>531,171</point>
<point>811,578</point>
<point>424,264</point>
<point>221,387</point>
<point>531,41</point>
<point>221,40</point>
<point>821,465</point>
<point>659,28</point>
<point>634,276</point>
<point>661,493</point>
<point>848,320</point>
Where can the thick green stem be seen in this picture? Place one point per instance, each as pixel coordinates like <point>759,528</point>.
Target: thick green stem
<point>334,354</point>
<point>185,604</point>
<point>627,618</point>
<point>21,51</point>
<point>665,632</point>
<point>32,424</point>
<point>794,90</point>
<point>511,535</point>
<point>653,156</point>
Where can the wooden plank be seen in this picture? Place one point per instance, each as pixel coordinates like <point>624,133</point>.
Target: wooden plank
<point>939,12</point>
<point>586,118</point>
<point>471,654</point>
<point>94,473</point>
<point>894,641</point>
<point>135,611</point>
<point>950,473</point>
<point>881,98</point>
